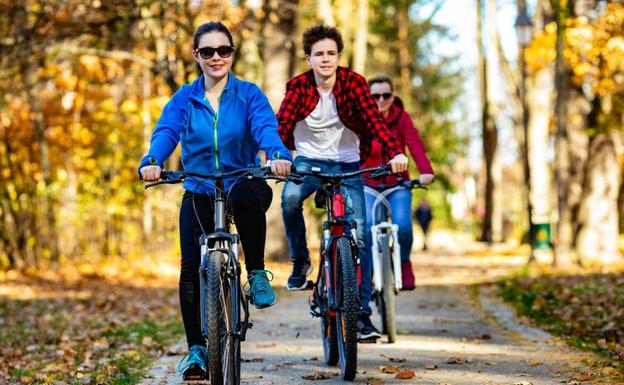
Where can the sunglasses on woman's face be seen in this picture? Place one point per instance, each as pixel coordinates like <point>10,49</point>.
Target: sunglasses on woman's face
<point>385,95</point>
<point>224,51</point>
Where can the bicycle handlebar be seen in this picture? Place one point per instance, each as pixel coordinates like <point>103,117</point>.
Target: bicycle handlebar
<point>375,172</point>
<point>173,177</point>
<point>408,184</point>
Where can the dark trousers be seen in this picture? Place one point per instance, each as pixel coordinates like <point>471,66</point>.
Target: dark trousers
<point>249,202</point>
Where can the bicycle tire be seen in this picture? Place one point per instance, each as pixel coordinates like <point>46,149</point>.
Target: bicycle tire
<point>328,323</point>
<point>346,318</point>
<point>388,295</point>
<point>235,344</point>
<point>217,300</point>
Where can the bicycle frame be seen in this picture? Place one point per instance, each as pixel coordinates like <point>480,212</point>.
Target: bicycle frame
<point>221,240</point>
<point>334,227</point>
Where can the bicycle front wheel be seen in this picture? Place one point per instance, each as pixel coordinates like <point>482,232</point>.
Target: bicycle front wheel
<point>328,323</point>
<point>387,306</point>
<point>346,287</point>
<point>221,350</point>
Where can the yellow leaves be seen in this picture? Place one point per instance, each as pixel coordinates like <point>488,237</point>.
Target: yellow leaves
<point>541,52</point>
<point>67,82</point>
<point>90,164</point>
<point>594,50</point>
<point>129,106</point>
<point>92,65</point>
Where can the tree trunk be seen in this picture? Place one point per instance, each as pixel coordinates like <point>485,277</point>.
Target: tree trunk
<point>279,48</point>
<point>361,38</point>
<point>404,56</point>
<point>489,134</point>
<point>324,12</point>
<point>598,235</point>
<point>278,68</point>
<point>563,257</point>
<point>48,235</point>
<point>539,95</point>
<point>346,22</point>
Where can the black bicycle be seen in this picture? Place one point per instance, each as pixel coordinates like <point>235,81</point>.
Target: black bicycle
<point>335,297</point>
<point>221,294</point>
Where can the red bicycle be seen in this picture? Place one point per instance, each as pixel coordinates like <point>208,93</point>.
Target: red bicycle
<point>335,297</point>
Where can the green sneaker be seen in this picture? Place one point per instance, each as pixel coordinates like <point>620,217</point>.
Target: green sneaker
<point>193,365</point>
<point>260,290</point>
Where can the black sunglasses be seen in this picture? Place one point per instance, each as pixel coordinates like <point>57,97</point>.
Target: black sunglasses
<point>386,95</point>
<point>224,51</point>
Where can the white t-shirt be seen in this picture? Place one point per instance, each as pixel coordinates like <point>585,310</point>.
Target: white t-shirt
<point>321,135</point>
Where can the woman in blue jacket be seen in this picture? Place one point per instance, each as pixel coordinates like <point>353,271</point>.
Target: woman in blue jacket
<point>221,123</point>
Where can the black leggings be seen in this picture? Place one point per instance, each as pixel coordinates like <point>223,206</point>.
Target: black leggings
<point>249,201</point>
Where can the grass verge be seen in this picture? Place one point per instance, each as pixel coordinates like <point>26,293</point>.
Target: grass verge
<point>585,309</point>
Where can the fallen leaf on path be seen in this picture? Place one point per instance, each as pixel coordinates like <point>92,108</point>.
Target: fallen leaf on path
<point>585,377</point>
<point>431,367</point>
<point>609,371</point>
<point>389,369</point>
<point>535,362</point>
<point>523,383</point>
<point>319,376</point>
<point>374,381</point>
<point>266,345</point>
<point>455,360</point>
<point>405,374</point>
<point>270,368</point>
<point>310,359</point>
<point>253,359</point>
<point>486,337</point>
<point>393,359</point>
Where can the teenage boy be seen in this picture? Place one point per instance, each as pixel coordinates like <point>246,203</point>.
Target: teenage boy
<point>329,117</point>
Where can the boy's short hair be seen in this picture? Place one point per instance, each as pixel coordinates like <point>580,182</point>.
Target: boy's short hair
<point>320,32</point>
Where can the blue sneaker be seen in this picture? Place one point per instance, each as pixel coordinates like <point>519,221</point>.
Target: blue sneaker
<point>260,290</point>
<point>193,365</point>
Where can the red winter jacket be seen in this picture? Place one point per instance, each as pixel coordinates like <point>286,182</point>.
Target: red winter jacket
<point>402,128</point>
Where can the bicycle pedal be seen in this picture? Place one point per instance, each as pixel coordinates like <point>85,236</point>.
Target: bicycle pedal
<point>309,285</point>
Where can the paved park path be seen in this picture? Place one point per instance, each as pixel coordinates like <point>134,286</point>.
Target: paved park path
<point>451,332</point>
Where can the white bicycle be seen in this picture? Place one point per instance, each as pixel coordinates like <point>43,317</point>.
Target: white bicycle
<point>386,255</point>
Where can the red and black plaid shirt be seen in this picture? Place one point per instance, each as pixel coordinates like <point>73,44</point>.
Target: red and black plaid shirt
<point>356,108</point>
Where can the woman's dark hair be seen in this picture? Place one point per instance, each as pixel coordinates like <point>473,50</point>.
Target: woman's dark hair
<point>320,32</point>
<point>211,26</point>
<point>381,79</point>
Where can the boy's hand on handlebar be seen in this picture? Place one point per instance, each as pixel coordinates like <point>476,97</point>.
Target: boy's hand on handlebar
<point>150,173</point>
<point>426,179</point>
<point>399,163</point>
<point>280,167</point>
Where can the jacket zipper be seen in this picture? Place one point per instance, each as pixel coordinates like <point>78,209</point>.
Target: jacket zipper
<point>216,141</point>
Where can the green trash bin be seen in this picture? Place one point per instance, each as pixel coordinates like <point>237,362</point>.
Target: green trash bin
<point>541,236</point>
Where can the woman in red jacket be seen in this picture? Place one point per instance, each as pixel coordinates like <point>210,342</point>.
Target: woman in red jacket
<point>402,128</point>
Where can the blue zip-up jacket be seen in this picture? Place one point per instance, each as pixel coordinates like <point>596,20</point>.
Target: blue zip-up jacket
<point>226,141</point>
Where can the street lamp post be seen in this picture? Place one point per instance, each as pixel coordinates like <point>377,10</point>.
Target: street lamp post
<point>524,27</point>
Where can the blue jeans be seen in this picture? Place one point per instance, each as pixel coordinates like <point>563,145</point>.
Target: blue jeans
<point>293,196</point>
<point>401,206</point>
